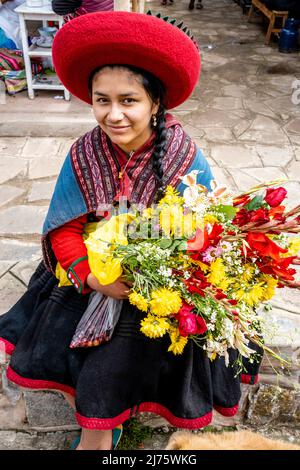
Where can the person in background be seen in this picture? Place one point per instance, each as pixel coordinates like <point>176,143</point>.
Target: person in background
<point>10,36</point>
<point>69,9</point>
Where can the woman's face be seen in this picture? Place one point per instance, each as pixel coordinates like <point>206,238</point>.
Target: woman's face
<point>122,107</point>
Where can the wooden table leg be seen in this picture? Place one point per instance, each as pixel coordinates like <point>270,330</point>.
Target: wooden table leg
<point>270,28</point>
<point>251,11</point>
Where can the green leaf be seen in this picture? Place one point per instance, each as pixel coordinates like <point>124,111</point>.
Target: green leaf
<point>228,211</point>
<point>182,246</point>
<point>165,243</point>
<point>175,244</point>
<point>254,204</point>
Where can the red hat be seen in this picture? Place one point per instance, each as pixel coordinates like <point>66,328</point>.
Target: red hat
<point>148,42</point>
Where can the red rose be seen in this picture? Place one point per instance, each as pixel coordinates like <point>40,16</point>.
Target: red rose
<point>185,309</point>
<point>274,197</point>
<point>202,328</point>
<point>188,324</point>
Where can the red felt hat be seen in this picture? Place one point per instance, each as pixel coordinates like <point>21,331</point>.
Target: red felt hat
<point>120,37</point>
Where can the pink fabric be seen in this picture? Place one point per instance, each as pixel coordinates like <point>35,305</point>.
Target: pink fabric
<point>97,5</point>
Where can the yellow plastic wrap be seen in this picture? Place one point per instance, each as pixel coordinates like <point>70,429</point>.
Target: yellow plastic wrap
<point>101,238</point>
<point>61,275</point>
<point>101,243</point>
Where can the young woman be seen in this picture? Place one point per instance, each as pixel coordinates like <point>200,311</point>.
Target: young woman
<point>130,67</point>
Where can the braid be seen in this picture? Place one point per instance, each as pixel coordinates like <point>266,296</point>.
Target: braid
<point>159,150</point>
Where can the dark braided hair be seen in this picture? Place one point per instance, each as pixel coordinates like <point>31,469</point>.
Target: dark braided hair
<point>156,91</point>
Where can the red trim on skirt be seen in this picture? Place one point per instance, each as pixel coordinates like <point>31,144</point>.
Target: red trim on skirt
<point>227,411</point>
<point>6,346</point>
<point>38,384</point>
<point>249,379</point>
<point>111,423</point>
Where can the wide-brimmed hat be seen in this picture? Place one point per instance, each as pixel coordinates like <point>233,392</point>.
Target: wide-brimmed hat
<point>148,42</point>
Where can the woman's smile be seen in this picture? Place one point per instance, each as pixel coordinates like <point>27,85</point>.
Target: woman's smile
<point>117,129</point>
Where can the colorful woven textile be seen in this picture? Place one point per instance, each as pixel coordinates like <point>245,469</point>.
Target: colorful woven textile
<point>12,70</point>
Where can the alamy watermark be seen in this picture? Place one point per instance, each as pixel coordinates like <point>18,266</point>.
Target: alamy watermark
<point>296,92</point>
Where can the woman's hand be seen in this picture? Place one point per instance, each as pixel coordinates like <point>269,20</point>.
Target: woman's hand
<point>117,290</point>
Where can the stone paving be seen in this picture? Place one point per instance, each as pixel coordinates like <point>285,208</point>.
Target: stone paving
<point>244,114</point>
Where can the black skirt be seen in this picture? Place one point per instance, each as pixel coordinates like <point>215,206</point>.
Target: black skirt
<point>114,381</point>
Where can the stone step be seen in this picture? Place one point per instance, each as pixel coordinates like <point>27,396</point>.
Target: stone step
<point>48,114</point>
<point>45,125</point>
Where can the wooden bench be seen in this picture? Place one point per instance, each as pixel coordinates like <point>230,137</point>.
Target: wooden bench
<point>272,15</point>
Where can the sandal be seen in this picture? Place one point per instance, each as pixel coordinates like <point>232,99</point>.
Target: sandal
<point>116,436</point>
<point>75,443</point>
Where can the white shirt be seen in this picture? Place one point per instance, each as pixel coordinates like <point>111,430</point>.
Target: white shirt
<point>9,21</point>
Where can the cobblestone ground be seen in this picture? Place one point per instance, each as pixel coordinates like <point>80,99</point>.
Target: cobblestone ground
<point>244,114</point>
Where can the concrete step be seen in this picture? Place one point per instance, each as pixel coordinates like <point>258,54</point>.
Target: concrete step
<point>44,116</point>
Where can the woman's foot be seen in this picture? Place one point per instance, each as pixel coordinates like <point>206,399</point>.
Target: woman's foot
<point>89,440</point>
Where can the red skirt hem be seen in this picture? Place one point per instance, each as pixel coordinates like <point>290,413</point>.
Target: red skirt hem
<point>227,411</point>
<point>6,346</point>
<point>249,379</point>
<point>111,423</point>
<point>38,384</point>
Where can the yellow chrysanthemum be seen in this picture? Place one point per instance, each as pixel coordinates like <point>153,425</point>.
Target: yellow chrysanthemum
<point>251,295</point>
<point>269,287</point>
<point>204,267</point>
<point>139,301</point>
<point>178,342</point>
<point>248,272</point>
<point>224,284</point>
<point>165,301</point>
<point>61,275</point>
<point>217,272</point>
<point>294,247</point>
<point>210,219</point>
<point>154,327</point>
<point>171,197</point>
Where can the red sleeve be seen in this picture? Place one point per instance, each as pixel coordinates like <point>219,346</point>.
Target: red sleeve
<point>70,251</point>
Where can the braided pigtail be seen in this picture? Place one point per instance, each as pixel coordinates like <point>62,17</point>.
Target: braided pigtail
<point>159,149</point>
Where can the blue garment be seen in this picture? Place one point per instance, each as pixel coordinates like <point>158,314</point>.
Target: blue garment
<point>5,42</point>
<point>67,202</point>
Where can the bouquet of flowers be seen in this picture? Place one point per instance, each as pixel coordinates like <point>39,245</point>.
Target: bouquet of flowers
<point>200,264</point>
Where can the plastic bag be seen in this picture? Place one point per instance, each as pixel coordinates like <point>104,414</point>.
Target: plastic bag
<point>98,321</point>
